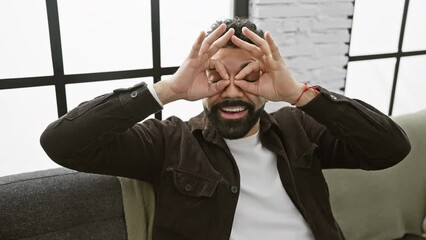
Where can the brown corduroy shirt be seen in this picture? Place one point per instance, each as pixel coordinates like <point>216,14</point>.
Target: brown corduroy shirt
<point>195,177</point>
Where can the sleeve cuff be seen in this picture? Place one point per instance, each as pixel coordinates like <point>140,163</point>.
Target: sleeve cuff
<point>135,97</point>
<point>154,94</point>
<point>326,106</point>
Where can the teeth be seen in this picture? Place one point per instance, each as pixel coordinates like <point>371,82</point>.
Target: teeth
<point>233,109</point>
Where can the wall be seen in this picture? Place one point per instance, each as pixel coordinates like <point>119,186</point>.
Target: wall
<point>312,35</point>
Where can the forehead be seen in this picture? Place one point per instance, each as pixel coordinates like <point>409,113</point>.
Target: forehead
<point>233,57</point>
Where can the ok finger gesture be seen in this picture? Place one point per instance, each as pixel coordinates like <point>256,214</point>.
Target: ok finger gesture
<point>275,82</point>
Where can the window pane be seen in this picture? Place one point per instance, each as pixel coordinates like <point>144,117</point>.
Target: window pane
<point>371,81</point>
<point>376,26</point>
<point>80,92</point>
<point>26,112</point>
<point>415,31</point>
<point>24,41</point>
<point>410,92</point>
<point>99,35</point>
<point>182,108</point>
<point>179,33</point>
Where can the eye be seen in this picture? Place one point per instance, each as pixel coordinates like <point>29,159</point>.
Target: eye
<point>252,77</point>
<point>213,76</point>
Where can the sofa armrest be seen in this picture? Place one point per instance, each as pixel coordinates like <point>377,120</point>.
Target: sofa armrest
<point>384,204</point>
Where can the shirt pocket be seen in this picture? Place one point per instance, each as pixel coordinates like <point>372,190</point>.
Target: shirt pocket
<point>186,204</point>
<point>193,185</point>
<point>311,185</point>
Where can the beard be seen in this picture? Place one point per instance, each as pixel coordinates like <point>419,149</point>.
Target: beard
<point>233,128</point>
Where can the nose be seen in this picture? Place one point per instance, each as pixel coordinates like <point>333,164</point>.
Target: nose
<point>232,91</point>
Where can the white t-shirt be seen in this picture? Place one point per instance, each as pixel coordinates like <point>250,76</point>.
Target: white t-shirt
<point>264,210</point>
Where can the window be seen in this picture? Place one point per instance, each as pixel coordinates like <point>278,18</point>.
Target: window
<point>25,112</point>
<point>55,54</point>
<point>105,36</point>
<point>387,55</point>
<point>24,42</point>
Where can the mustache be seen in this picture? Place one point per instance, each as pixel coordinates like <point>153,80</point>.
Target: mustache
<point>232,103</point>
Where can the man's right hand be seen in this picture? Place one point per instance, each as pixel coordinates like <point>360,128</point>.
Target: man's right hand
<point>190,81</point>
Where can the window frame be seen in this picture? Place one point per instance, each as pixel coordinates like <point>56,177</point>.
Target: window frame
<point>398,55</point>
<point>60,79</point>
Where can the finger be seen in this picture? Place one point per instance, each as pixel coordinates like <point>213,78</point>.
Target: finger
<point>218,87</point>
<point>260,42</point>
<point>251,67</point>
<point>250,87</point>
<point>220,68</point>
<point>197,45</point>
<point>274,49</point>
<point>213,36</point>
<point>219,43</point>
<point>251,48</point>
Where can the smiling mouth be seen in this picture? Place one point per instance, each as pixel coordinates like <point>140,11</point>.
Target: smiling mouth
<point>233,112</point>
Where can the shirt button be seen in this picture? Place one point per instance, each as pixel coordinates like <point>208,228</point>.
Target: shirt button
<point>234,189</point>
<point>134,94</point>
<point>188,187</point>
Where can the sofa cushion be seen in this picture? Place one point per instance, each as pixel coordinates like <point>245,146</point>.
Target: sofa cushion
<point>61,204</point>
<point>388,203</point>
<point>139,208</point>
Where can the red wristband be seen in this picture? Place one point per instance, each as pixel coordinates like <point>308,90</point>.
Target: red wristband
<point>305,89</point>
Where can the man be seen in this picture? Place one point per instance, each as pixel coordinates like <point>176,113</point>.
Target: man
<point>235,171</point>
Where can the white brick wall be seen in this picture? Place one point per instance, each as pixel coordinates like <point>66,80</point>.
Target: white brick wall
<point>312,35</point>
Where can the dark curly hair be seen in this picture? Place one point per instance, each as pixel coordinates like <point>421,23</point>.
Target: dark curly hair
<point>237,23</point>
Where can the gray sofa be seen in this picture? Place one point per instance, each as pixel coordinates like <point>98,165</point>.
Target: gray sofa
<point>384,204</point>
<point>64,204</point>
<point>68,205</point>
<point>61,204</point>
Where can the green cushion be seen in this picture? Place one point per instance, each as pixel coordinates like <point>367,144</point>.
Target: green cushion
<point>139,208</point>
<point>388,203</point>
